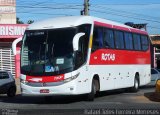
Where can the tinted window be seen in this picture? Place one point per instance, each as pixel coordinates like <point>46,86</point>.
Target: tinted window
<point>42,50</point>
<point>97,38</point>
<point>137,42</point>
<point>81,55</point>
<point>4,75</point>
<point>153,71</point>
<point>128,40</point>
<point>145,42</point>
<point>119,40</point>
<point>108,38</point>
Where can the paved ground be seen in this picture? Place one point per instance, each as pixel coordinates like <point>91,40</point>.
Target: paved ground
<point>105,103</point>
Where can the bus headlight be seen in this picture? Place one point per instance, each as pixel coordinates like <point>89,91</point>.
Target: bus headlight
<point>23,81</point>
<point>71,78</point>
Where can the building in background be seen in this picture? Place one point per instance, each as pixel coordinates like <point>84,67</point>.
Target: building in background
<point>7,12</point>
<point>9,31</point>
<point>155,50</point>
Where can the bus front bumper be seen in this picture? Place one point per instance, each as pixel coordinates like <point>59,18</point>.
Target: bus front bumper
<point>64,89</point>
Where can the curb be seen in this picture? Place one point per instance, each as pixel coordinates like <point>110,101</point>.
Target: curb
<point>155,97</point>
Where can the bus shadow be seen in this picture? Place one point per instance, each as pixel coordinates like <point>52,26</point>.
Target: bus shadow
<point>111,92</point>
<point>18,99</point>
<point>148,87</point>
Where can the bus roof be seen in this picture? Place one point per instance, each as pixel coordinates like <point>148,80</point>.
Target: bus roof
<point>71,21</point>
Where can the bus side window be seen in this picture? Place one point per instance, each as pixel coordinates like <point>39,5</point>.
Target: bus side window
<point>137,41</point>
<point>108,38</point>
<point>119,40</point>
<point>83,45</point>
<point>97,38</point>
<point>128,40</point>
<point>145,42</point>
<point>84,40</point>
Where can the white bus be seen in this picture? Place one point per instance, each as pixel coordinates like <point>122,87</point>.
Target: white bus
<point>83,55</point>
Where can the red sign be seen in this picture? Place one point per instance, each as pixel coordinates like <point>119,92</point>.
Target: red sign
<point>12,30</point>
<point>42,79</point>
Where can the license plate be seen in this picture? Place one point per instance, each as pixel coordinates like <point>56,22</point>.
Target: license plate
<point>44,91</point>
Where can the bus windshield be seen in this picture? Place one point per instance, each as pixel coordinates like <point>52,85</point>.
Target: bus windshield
<point>47,52</point>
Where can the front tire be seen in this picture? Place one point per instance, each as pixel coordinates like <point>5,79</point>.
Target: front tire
<point>91,95</point>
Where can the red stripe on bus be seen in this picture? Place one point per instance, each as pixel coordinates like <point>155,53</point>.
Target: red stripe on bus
<point>119,57</point>
<point>120,28</point>
<point>103,24</point>
<point>138,31</point>
<point>45,78</point>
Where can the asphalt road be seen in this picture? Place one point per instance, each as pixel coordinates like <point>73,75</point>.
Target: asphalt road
<point>105,103</point>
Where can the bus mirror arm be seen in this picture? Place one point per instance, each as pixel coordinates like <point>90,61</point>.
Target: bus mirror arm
<point>76,40</point>
<point>14,44</point>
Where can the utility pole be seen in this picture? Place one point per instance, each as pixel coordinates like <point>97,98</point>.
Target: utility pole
<point>86,8</point>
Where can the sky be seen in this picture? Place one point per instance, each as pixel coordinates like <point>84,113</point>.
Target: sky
<point>136,11</point>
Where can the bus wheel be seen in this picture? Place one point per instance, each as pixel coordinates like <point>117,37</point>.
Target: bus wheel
<point>91,95</point>
<point>135,88</point>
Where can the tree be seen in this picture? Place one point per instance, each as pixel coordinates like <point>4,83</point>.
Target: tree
<point>30,21</point>
<point>19,21</point>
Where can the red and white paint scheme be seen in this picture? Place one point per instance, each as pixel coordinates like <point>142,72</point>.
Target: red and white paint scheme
<point>85,71</point>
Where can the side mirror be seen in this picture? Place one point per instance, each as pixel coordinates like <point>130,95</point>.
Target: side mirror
<point>14,44</point>
<point>76,40</point>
